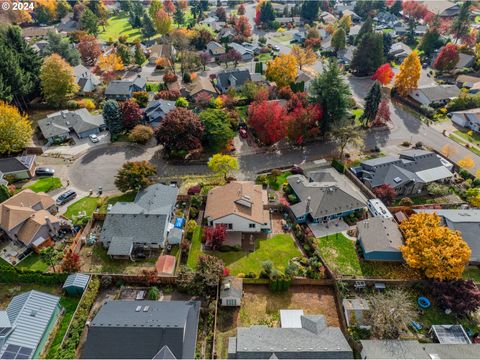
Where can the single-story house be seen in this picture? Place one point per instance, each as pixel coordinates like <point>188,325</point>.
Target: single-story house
<point>299,36</point>
<point>469,119</point>
<point>37,32</point>
<point>40,47</point>
<point>443,8</point>
<point>201,85</point>
<point>124,89</point>
<point>435,95</point>
<point>26,218</point>
<point>158,51</point>
<point>240,206</point>
<point>467,221</point>
<point>67,24</point>
<point>380,239</point>
<point>467,81</point>
<point>356,310</point>
<point>19,168</point>
<point>386,18</point>
<point>232,79</point>
<point>27,323</point>
<point>420,30</point>
<point>76,284</point>
<point>226,34</point>
<point>313,340</point>
<point>412,349</point>
<point>328,18</point>
<point>408,175</point>
<point>345,56</point>
<point>215,49</point>
<point>323,197</point>
<point>340,7</point>
<point>465,61</point>
<point>399,51</point>
<point>86,81</point>
<point>247,54</point>
<point>141,224</point>
<point>231,291</point>
<point>156,111</point>
<point>143,330</point>
<point>165,265</point>
<point>295,20</point>
<point>252,47</point>
<point>400,30</point>
<point>64,124</point>
<point>304,78</point>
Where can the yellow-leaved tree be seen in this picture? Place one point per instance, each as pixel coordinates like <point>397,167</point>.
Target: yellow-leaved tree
<point>282,70</point>
<point>15,129</point>
<point>223,164</point>
<point>57,80</point>
<point>407,78</point>
<point>303,56</point>
<point>467,163</point>
<point>109,63</point>
<point>438,251</point>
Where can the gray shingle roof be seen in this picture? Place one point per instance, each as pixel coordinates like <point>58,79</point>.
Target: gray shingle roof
<point>439,92</point>
<point>59,123</point>
<point>241,77</point>
<point>125,87</point>
<point>380,234</point>
<point>141,330</point>
<point>157,109</point>
<point>14,164</point>
<point>231,287</point>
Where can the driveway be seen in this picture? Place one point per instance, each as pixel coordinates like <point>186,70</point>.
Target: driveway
<point>81,146</point>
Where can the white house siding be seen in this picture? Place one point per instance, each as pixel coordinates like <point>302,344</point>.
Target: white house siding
<point>241,224</point>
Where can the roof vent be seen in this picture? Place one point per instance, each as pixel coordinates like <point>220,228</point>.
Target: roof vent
<point>138,308</point>
<point>33,313</point>
<point>146,308</point>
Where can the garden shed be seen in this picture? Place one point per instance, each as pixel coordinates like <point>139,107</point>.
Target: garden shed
<point>76,284</point>
<point>231,292</point>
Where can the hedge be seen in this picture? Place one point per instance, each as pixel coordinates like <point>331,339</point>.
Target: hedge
<point>9,274</point>
<point>338,166</point>
<point>72,338</point>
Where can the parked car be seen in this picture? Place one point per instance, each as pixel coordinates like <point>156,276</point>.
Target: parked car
<point>93,138</point>
<point>243,133</point>
<point>66,197</point>
<point>43,171</point>
<point>276,48</point>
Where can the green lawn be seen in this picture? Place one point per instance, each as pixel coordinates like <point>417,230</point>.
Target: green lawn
<point>436,316</point>
<point>86,204</point>
<point>45,184</point>
<point>33,262</point>
<point>472,273</point>
<point>105,264</point>
<point>195,247</point>
<point>264,57</point>
<point>111,200</point>
<point>119,26</point>
<point>460,140</point>
<point>277,182</point>
<point>279,249</point>
<point>474,138</point>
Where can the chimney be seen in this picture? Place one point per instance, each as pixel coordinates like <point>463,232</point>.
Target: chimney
<point>309,199</point>
<point>63,114</point>
<point>50,225</point>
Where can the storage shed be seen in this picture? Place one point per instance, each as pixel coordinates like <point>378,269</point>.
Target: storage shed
<point>231,292</point>
<point>76,284</point>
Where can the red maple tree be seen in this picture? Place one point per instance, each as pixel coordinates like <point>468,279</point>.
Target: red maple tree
<point>304,123</point>
<point>131,113</point>
<point>385,192</point>
<point>415,9</point>
<point>89,49</point>
<point>268,119</point>
<point>71,262</point>
<point>384,74</point>
<point>243,27</point>
<point>169,6</point>
<point>215,236</point>
<point>447,58</point>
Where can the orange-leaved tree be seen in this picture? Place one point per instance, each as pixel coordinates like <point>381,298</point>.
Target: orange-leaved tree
<point>111,62</point>
<point>303,56</point>
<point>407,78</point>
<point>438,251</point>
<point>282,70</point>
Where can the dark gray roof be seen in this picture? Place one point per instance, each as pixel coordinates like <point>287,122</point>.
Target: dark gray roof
<point>122,245</point>
<point>412,349</point>
<point>313,340</point>
<point>439,92</point>
<point>465,60</point>
<point>143,221</point>
<point>241,77</point>
<point>157,109</point>
<point>125,87</point>
<point>61,122</point>
<point>380,234</point>
<point>14,164</point>
<point>141,330</point>
<point>326,198</point>
<point>232,287</point>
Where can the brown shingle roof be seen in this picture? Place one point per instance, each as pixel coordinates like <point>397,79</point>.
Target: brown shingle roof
<point>242,198</point>
<point>31,227</point>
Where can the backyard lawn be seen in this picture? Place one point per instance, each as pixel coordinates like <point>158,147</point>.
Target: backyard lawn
<point>111,200</point>
<point>119,26</point>
<point>279,249</point>
<point>264,57</point>
<point>87,204</point>
<point>195,248</point>
<point>33,262</point>
<point>45,184</point>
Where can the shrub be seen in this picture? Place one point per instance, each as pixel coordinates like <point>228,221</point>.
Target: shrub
<point>169,77</point>
<point>251,275</point>
<point>406,201</point>
<point>141,97</point>
<point>168,95</point>
<point>296,170</point>
<point>196,201</point>
<point>262,180</point>
<point>292,198</point>
<point>187,78</point>
<point>406,143</point>
<point>153,293</point>
<point>476,182</point>
<point>267,268</point>
<point>241,275</point>
<point>72,104</point>
<point>462,297</point>
<point>182,102</point>
<point>141,134</point>
<point>437,189</point>
<point>87,104</point>
<point>194,190</point>
<point>193,213</point>
<point>464,173</point>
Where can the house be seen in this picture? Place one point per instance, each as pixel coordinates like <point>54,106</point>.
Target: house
<point>353,15</point>
<point>141,224</point>
<point>465,61</point>
<point>354,30</point>
<point>247,54</point>
<point>420,30</point>
<point>356,311</point>
<point>27,323</point>
<point>231,291</point>
<point>467,221</point>
<point>26,218</point>
<point>252,47</point>
<point>399,51</point>
<point>143,330</point>
<point>328,18</point>
<point>443,8</point>
<point>215,49</point>
<point>200,86</point>
<point>159,51</point>
<point>40,47</point>
<point>299,36</point>
<point>313,340</point>
<point>241,206</point>
<point>165,265</point>
<point>76,284</point>
<point>412,349</point>
<point>37,32</point>
<point>305,79</point>
<point>409,174</point>
<point>435,95</point>
<point>340,7</point>
<point>380,239</point>
<point>18,168</point>
<point>67,24</point>
<point>345,56</point>
<point>66,124</point>
<point>386,18</point>
<point>124,89</point>
<point>469,119</point>
<point>467,81</point>
<point>378,208</point>
<point>86,81</point>
<point>400,29</point>
<point>232,79</point>
<point>226,34</point>
<point>156,111</point>
<point>323,196</point>
<point>295,20</point>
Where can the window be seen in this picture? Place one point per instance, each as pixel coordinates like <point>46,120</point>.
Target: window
<point>228,226</point>
<point>251,226</point>
<point>231,302</point>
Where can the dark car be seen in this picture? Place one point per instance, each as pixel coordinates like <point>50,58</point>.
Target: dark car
<point>43,171</point>
<point>66,197</point>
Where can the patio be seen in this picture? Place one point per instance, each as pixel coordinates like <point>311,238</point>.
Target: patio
<point>331,227</point>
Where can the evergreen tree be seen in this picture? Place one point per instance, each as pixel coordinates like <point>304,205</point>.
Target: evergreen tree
<point>60,45</point>
<point>179,16</point>
<point>124,52</point>
<point>332,93</point>
<point>430,41</point>
<point>113,117</point>
<point>410,38</point>
<point>309,10</point>
<point>338,39</point>
<point>148,29</point>
<point>4,193</point>
<point>139,55</point>
<point>136,13</point>
<point>267,15</point>
<point>125,5</point>
<point>372,100</point>
<point>366,28</point>
<point>387,44</point>
<point>368,56</point>
<point>89,22</point>
<point>461,24</point>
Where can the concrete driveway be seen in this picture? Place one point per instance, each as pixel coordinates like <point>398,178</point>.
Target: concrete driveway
<point>81,146</point>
